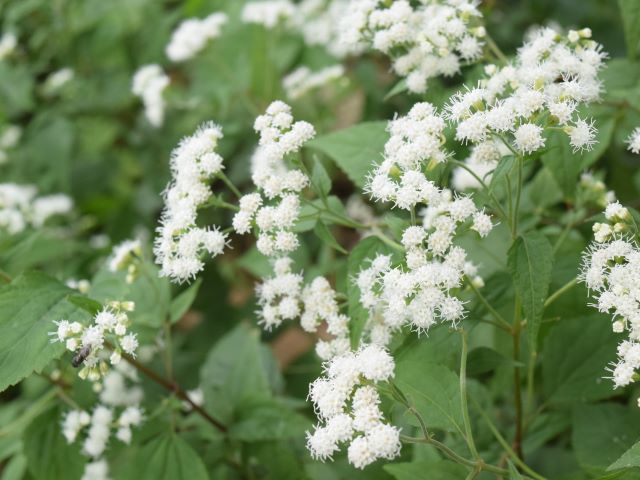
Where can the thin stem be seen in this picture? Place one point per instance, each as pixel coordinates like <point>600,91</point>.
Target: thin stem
<point>493,198</point>
<point>530,379</point>
<point>229,184</point>
<point>517,393</point>
<point>505,325</point>
<point>493,46</point>
<point>392,243</point>
<point>217,202</point>
<point>558,293</point>
<point>514,224</point>
<point>463,397</point>
<point>503,442</point>
<point>175,389</point>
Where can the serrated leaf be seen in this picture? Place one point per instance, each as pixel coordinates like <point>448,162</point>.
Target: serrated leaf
<point>320,178</point>
<point>28,307</point>
<point>49,456</point>
<point>183,301</point>
<point>575,374</point>
<point>367,249</point>
<point>530,264</point>
<point>167,457</point>
<point>324,234</point>
<point>630,12</point>
<point>355,149</point>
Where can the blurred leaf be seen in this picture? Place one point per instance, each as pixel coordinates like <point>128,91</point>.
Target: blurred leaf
<point>484,359</point>
<point>437,470</point>
<point>49,456</point>
<point>320,178</point>
<point>183,301</point>
<point>167,457</point>
<point>530,264</point>
<point>324,234</point>
<point>28,307</point>
<point>630,12</point>
<point>87,304</point>
<point>561,162</point>
<point>267,419</point>
<point>16,89</point>
<point>630,458</point>
<point>575,355</point>
<point>356,150</point>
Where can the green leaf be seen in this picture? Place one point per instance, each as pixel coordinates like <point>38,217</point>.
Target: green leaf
<point>602,433</point>
<point>504,166</point>
<point>513,472</point>
<point>320,178</point>
<point>575,355</point>
<point>367,249</point>
<point>234,372</point>
<point>167,457</point>
<point>355,149</point>
<point>183,301</point>
<point>49,456</point>
<point>87,304</point>
<point>530,264</point>
<point>259,419</point>
<point>399,87</point>
<point>484,359</point>
<point>434,391</point>
<point>28,307</point>
<point>606,125</point>
<point>561,162</point>
<point>630,11</point>
<point>630,458</point>
<point>417,470</point>
<point>324,234</point>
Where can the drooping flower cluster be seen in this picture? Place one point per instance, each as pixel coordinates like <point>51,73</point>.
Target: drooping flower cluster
<point>611,271</point>
<point>181,244</point>
<point>482,162</point>
<point>148,84</point>
<point>430,39</point>
<point>550,78</point>
<point>192,35</point>
<point>275,208</point>
<point>633,141</point>
<point>20,207</point>
<point>415,142</point>
<point>303,80</point>
<point>88,342</point>
<point>349,410</point>
<point>268,13</point>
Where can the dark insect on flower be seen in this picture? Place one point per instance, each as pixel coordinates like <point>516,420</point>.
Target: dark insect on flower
<point>81,356</point>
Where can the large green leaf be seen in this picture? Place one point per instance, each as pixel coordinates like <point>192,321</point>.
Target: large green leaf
<point>181,303</point>
<point>355,149</point>
<point>601,433</point>
<point>234,372</point>
<point>437,470</point>
<point>561,162</point>
<point>575,356</point>
<point>629,459</point>
<point>167,457</point>
<point>530,263</point>
<point>434,391</point>
<point>49,456</point>
<point>28,307</point>
<point>630,10</point>
<point>267,419</point>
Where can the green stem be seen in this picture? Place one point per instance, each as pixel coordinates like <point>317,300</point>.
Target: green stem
<point>493,46</point>
<point>503,442</point>
<point>516,211</point>
<point>463,397</point>
<point>558,293</point>
<point>501,321</point>
<point>229,184</point>
<point>517,393</point>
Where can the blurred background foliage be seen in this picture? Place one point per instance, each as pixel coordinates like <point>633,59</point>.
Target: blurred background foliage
<point>89,139</point>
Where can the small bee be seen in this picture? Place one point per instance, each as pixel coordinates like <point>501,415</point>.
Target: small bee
<point>81,356</point>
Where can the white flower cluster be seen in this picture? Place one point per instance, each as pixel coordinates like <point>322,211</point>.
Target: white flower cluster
<point>276,207</point>
<point>148,84</point>
<point>422,294</point>
<point>633,141</point>
<point>482,162</point>
<point>57,80</point>
<point>20,207</point>
<point>88,342</point>
<point>595,191</point>
<point>349,409</point>
<point>611,271</point>
<point>180,242</point>
<point>269,13</point>
<point>432,38</point>
<point>618,219</point>
<point>9,139</point>
<point>319,22</point>
<point>8,44</point>
<point>99,425</point>
<point>415,141</point>
<point>550,78</point>
<point>302,80</point>
<point>192,35</point>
